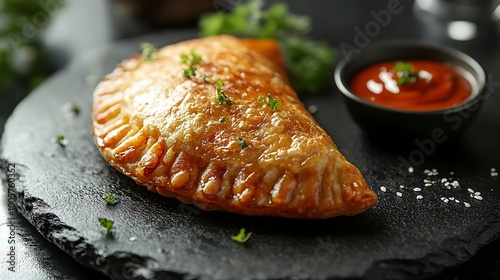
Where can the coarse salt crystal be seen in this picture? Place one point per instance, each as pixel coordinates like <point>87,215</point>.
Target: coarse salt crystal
<point>419,197</point>
<point>477,193</point>
<point>417,189</point>
<point>399,194</point>
<point>493,169</point>
<point>466,204</point>
<point>494,174</point>
<point>401,186</point>
<point>455,183</point>
<point>444,180</point>
<point>133,238</point>
<point>384,189</point>
<point>470,190</point>
<point>451,198</point>
<point>478,197</point>
<point>410,169</point>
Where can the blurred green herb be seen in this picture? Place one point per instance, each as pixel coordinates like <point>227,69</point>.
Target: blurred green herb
<point>272,102</point>
<point>242,237</point>
<point>61,140</point>
<point>405,73</point>
<point>74,108</point>
<point>192,60</point>
<point>310,63</point>
<point>111,199</point>
<point>148,51</point>
<point>105,223</point>
<point>190,71</point>
<point>24,63</point>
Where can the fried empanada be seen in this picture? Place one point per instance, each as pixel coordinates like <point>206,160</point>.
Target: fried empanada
<point>214,122</point>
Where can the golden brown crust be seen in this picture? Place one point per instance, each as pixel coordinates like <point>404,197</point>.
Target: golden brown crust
<point>163,130</point>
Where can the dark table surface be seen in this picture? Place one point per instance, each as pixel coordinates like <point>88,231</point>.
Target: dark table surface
<point>336,22</point>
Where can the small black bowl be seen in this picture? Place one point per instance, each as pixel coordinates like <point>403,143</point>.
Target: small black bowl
<point>382,120</point>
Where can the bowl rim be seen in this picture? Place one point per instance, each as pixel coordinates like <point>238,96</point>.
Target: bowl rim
<point>413,44</point>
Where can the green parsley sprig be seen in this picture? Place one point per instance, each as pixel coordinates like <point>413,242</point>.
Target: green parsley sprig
<point>250,20</point>
<point>191,60</point>
<point>106,223</point>
<point>242,237</point>
<point>310,63</point>
<point>221,96</point>
<point>111,199</point>
<point>190,71</point>
<point>405,73</point>
<point>272,102</point>
<point>61,140</point>
<point>148,51</point>
<point>242,143</point>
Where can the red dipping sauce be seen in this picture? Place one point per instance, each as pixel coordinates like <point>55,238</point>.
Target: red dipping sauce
<point>438,86</point>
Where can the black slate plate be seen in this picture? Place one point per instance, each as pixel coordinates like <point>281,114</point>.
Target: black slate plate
<point>60,192</point>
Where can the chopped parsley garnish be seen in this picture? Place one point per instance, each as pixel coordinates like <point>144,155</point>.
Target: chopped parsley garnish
<point>61,140</point>
<point>221,96</point>
<point>111,199</point>
<point>75,108</point>
<point>309,62</point>
<point>242,143</point>
<point>223,119</point>
<point>192,60</point>
<point>195,58</point>
<point>190,71</point>
<point>184,58</point>
<point>242,237</point>
<point>405,73</point>
<point>272,102</point>
<point>105,223</point>
<point>148,51</point>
